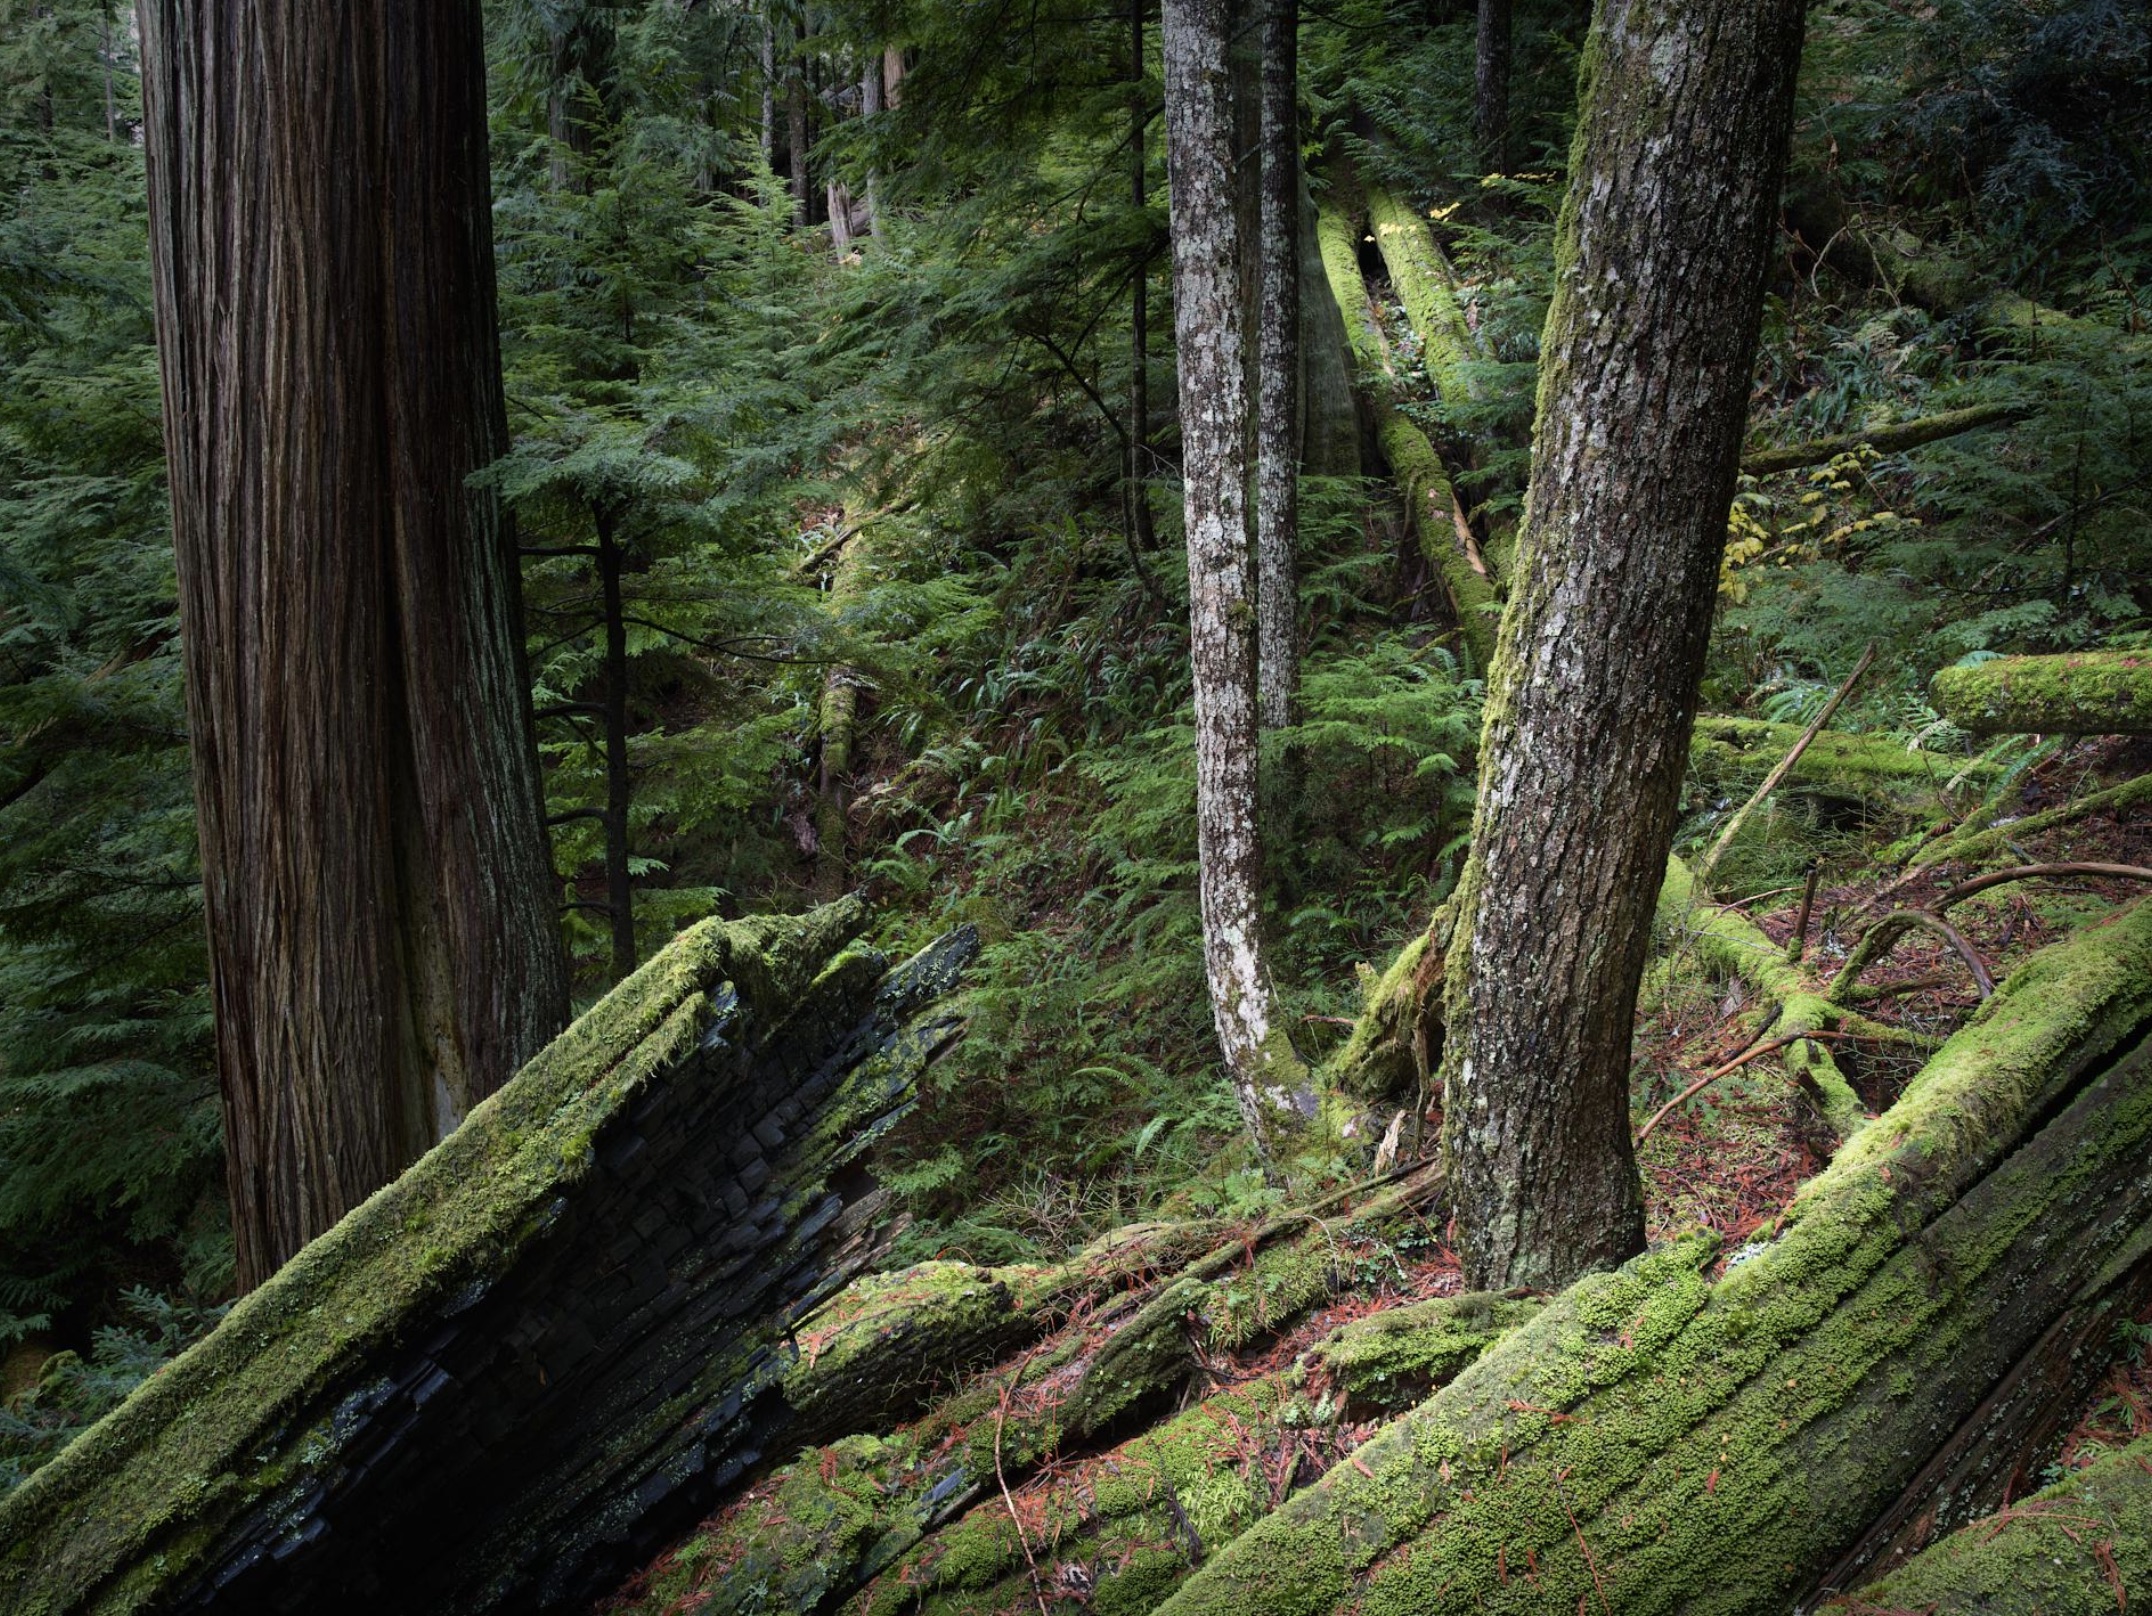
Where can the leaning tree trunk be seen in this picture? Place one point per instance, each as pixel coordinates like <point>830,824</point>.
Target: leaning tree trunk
<point>1208,327</point>
<point>1649,347</point>
<point>384,948</point>
<point>1277,494</point>
<point>1490,98</point>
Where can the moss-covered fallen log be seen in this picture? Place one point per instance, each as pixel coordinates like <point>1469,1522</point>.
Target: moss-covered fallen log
<point>854,1511</point>
<point>2085,693</point>
<point>1431,503</point>
<point>1657,1441</point>
<point>1426,287</point>
<point>1893,438</point>
<point>1981,842</point>
<point>2082,1547</point>
<point>545,1348</point>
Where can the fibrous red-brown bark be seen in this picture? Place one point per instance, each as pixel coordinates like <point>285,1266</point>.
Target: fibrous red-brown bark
<point>384,946</point>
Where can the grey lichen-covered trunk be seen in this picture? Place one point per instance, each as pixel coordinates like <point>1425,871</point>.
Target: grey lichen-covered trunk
<point>1211,340</point>
<point>1278,434</point>
<point>549,1346</point>
<point>384,940</point>
<point>1648,351</point>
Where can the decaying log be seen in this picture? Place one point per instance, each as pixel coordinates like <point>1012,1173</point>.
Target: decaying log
<point>1431,503</point>
<point>2084,693</point>
<point>915,1514</point>
<point>1426,286</point>
<point>1657,1441</point>
<point>2082,1547</point>
<point>1895,438</point>
<point>548,1346</point>
<point>1986,841</point>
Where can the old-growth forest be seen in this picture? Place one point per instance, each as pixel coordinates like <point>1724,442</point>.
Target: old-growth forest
<point>1264,806</point>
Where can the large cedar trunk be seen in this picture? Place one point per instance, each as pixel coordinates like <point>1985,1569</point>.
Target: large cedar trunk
<point>384,946</point>
<point>1648,352</point>
<point>1211,340</point>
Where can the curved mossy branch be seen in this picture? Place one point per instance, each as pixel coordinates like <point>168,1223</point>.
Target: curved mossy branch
<point>2082,1547</point>
<point>1729,941</point>
<point>1655,1441</point>
<point>2083,693</point>
<point>1422,479</point>
<point>552,1339</point>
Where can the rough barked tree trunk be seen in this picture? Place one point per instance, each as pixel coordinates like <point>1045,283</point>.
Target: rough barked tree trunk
<point>619,785</point>
<point>1208,328</point>
<point>384,949</point>
<point>796,116</point>
<point>769,89</point>
<point>1650,344</point>
<point>1277,495</point>
<point>1490,86</point>
<point>1141,530</point>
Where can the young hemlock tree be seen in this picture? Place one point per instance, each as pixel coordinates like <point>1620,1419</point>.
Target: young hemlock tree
<point>1649,351</point>
<point>383,943</point>
<point>1278,425</point>
<point>1268,1078</point>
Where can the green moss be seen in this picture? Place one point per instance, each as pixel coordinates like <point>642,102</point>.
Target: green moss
<point>1396,1357</point>
<point>2060,1552</point>
<point>198,1442</point>
<point>1707,1447</point>
<point>1425,285</point>
<point>1985,843</point>
<point>2084,693</point>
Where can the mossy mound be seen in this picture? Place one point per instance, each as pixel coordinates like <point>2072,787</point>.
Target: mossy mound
<point>2085,693</point>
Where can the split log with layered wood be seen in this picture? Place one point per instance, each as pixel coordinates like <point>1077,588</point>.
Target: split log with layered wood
<point>555,1340</point>
<point>2083,693</point>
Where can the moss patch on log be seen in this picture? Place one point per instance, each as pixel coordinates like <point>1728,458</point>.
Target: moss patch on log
<point>2085,693</point>
<point>2082,1547</point>
<point>1659,1442</point>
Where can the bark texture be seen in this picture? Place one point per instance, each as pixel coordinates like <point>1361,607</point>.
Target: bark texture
<point>1649,347</point>
<point>1490,85</point>
<point>384,943</point>
<point>1278,434</point>
<point>1268,1078</point>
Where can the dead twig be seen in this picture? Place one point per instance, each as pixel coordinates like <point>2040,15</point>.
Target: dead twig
<point>1754,1052</point>
<point>1023,1540</point>
<point>1785,767</point>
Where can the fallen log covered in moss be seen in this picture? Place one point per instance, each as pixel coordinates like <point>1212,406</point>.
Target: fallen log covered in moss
<point>1431,504</point>
<point>552,1343</point>
<point>1656,1441</point>
<point>2084,693</point>
<point>2082,1547</point>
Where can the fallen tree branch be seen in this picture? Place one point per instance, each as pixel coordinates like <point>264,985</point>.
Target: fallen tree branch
<point>1980,843</point>
<point>1883,936</point>
<point>1754,1052</point>
<point>1893,439</point>
<point>2025,872</point>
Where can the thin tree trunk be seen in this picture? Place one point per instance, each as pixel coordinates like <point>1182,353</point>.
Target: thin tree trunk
<point>1490,100</point>
<point>796,125</point>
<point>870,106</point>
<point>892,76</point>
<point>1649,347</point>
<point>1208,328</point>
<point>769,90</point>
<point>1141,531</point>
<point>1277,500</point>
<point>619,789</point>
<point>384,949</point>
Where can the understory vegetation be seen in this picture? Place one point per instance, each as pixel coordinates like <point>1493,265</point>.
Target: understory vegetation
<point>874,494</point>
